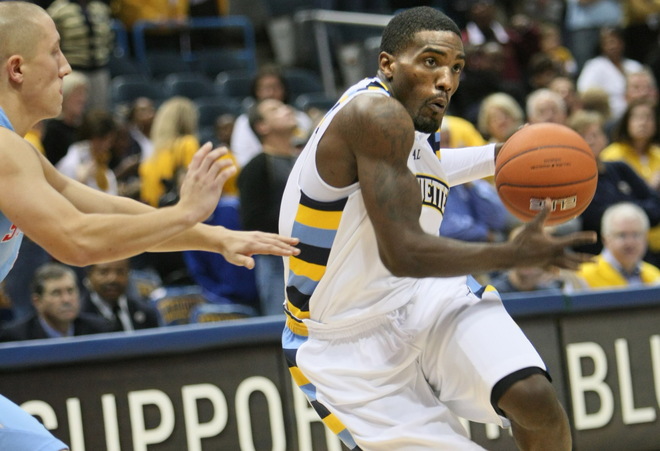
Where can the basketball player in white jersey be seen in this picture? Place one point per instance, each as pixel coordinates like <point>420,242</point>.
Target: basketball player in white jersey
<point>386,336</point>
<point>75,224</point>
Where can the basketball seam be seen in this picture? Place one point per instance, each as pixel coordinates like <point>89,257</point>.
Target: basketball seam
<point>523,152</point>
<point>572,182</point>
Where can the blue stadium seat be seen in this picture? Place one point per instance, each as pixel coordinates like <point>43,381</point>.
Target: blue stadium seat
<point>234,83</point>
<point>301,81</point>
<point>193,85</point>
<point>126,88</point>
<point>318,100</point>
<point>210,108</point>
<point>161,63</point>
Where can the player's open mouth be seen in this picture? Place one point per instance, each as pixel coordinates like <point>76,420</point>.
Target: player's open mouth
<point>438,105</point>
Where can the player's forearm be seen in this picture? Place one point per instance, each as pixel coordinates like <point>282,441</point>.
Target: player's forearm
<point>107,237</point>
<point>431,256</point>
<point>201,237</point>
<point>198,237</point>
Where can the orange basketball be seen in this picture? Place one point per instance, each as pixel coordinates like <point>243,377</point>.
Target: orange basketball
<point>543,161</point>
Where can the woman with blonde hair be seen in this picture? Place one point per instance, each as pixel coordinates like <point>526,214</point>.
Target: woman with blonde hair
<point>499,116</point>
<point>174,137</point>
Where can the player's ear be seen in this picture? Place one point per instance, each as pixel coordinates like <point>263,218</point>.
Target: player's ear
<point>14,67</point>
<point>386,64</point>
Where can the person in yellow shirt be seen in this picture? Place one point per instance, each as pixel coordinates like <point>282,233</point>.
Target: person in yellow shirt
<point>462,133</point>
<point>624,233</point>
<point>635,141</point>
<point>174,138</point>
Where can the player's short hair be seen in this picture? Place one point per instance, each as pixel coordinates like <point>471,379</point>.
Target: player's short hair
<point>403,27</point>
<point>19,27</point>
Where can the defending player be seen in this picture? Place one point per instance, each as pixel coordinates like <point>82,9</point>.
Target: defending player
<point>76,224</point>
<point>385,334</point>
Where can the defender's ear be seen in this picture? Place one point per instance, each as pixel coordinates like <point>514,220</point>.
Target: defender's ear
<point>386,64</point>
<point>14,66</point>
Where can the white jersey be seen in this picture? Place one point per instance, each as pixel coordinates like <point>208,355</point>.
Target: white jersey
<point>338,276</point>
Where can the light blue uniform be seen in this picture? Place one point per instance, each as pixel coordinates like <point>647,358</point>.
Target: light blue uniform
<point>19,431</point>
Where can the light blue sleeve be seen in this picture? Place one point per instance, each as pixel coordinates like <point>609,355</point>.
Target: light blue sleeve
<point>20,431</point>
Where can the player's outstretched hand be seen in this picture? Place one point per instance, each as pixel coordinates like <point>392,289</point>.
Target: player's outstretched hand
<point>240,246</point>
<point>538,248</point>
<point>205,177</point>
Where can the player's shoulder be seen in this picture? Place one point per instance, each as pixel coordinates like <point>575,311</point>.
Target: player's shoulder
<point>375,109</point>
<point>12,145</point>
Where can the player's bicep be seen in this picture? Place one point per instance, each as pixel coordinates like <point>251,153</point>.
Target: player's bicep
<point>390,191</point>
<point>27,199</point>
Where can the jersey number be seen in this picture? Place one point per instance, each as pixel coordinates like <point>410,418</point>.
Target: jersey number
<point>10,235</point>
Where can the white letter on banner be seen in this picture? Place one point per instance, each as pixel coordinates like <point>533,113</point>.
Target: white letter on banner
<point>631,415</point>
<point>196,431</point>
<point>595,383</point>
<point>42,410</point>
<point>243,417</point>
<point>305,415</point>
<point>655,360</point>
<point>141,436</point>
<point>76,439</point>
<point>110,422</point>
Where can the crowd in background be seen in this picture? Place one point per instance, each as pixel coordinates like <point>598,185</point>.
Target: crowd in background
<point>591,65</point>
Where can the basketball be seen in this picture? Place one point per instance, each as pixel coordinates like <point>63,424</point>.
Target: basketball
<point>542,161</point>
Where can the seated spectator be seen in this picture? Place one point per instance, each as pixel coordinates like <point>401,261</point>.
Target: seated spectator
<point>140,119</point>
<point>641,84</point>
<point>596,99</point>
<point>500,116</point>
<point>624,233</point>
<point>60,132</point>
<point>133,145</point>
<point>551,45</point>
<point>57,302</point>
<point>261,186</point>
<point>635,141</point>
<point>174,137</point>
<point>544,105</point>
<point>88,159</point>
<point>107,297</point>
<point>565,87</point>
<point>608,70</point>
<point>223,128</point>
<point>474,212</point>
<point>540,71</point>
<point>269,83</point>
<point>617,181</point>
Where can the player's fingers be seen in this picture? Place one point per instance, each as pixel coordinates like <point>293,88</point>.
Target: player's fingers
<point>225,172</point>
<point>539,220</point>
<point>242,260</point>
<point>274,244</point>
<point>213,157</point>
<point>579,239</point>
<point>199,156</point>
